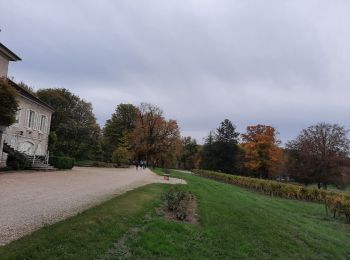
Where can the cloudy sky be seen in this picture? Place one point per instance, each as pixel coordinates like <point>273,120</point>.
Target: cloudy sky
<point>284,63</point>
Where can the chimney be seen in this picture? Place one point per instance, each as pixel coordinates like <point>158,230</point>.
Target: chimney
<point>6,56</point>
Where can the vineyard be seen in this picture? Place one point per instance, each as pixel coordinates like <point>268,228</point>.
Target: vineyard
<point>337,203</point>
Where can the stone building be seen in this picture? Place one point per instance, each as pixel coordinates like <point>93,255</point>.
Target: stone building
<point>29,134</point>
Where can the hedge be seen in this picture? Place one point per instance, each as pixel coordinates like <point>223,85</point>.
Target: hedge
<point>62,162</point>
<point>336,202</point>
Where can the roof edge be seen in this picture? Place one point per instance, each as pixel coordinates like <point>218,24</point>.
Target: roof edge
<point>8,53</point>
<point>25,93</point>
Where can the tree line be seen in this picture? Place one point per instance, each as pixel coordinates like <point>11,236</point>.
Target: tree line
<point>319,154</point>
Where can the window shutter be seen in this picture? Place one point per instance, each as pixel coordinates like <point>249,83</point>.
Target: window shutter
<point>42,123</point>
<point>38,121</point>
<point>19,115</point>
<point>35,121</point>
<point>47,127</point>
<point>26,119</point>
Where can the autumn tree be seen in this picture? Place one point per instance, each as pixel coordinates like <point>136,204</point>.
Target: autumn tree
<point>318,153</point>
<point>189,153</point>
<point>263,156</point>
<point>154,138</point>
<point>73,125</point>
<point>117,129</point>
<point>8,104</point>
<point>220,151</point>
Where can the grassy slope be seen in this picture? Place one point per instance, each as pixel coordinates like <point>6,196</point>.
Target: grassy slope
<point>239,223</point>
<point>233,223</point>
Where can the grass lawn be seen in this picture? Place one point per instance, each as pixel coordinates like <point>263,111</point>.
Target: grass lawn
<point>234,223</point>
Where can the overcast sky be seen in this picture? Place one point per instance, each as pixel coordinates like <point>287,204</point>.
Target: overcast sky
<point>285,63</point>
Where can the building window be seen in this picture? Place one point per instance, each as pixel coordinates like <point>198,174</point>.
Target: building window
<point>43,123</point>
<point>31,120</point>
<point>18,114</point>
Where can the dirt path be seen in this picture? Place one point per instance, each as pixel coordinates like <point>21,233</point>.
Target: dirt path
<point>30,200</point>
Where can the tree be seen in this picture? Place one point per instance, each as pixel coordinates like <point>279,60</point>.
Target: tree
<point>8,104</point>
<point>122,123</point>
<point>220,151</point>
<point>263,157</point>
<point>189,153</point>
<point>318,153</point>
<point>226,133</point>
<point>121,155</point>
<point>27,88</point>
<point>73,123</point>
<point>154,138</point>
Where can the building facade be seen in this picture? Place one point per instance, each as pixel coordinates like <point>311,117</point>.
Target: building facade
<point>30,133</point>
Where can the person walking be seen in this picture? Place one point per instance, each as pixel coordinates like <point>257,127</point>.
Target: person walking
<point>141,164</point>
<point>137,164</point>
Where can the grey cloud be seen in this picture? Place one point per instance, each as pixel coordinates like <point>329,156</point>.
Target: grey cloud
<point>283,63</point>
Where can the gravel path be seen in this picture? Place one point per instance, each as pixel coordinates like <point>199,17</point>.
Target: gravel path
<point>30,200</point>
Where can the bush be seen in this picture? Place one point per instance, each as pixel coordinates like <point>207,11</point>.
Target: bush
<point>177,201</point>
<point>62,162</point>
<point>9,104</point>
<point>121,155</point>
<point>16,160</point>
<point>336,202</point>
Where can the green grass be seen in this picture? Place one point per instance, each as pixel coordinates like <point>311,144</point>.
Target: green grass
<point>234,223</point>
<point>90,234</point>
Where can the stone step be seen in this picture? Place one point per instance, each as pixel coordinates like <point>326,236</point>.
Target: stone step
<point>41,165</point>
<point>37,161</point>
<point>43,169</point>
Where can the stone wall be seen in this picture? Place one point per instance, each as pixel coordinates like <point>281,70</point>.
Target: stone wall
<point>4,63</point>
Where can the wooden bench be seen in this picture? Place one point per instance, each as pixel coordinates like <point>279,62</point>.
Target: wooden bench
<point>166,176</point>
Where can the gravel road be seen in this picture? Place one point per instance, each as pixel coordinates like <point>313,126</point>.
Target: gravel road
<point>30,200</point>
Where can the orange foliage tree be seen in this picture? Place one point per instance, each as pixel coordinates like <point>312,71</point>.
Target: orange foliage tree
<point>155,139</point>
<point>263,156</point>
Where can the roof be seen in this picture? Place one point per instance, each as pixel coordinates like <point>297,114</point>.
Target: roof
<point>23,92</point>
<point>11,56</point>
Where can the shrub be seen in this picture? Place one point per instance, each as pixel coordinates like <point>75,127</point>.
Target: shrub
<point>9,104</point>
<point>336,202</point>
<point>121,155</point>
<point>177,201</point>
<point>102,164</point>
<point>62,162</point>
<point>17,161</point>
